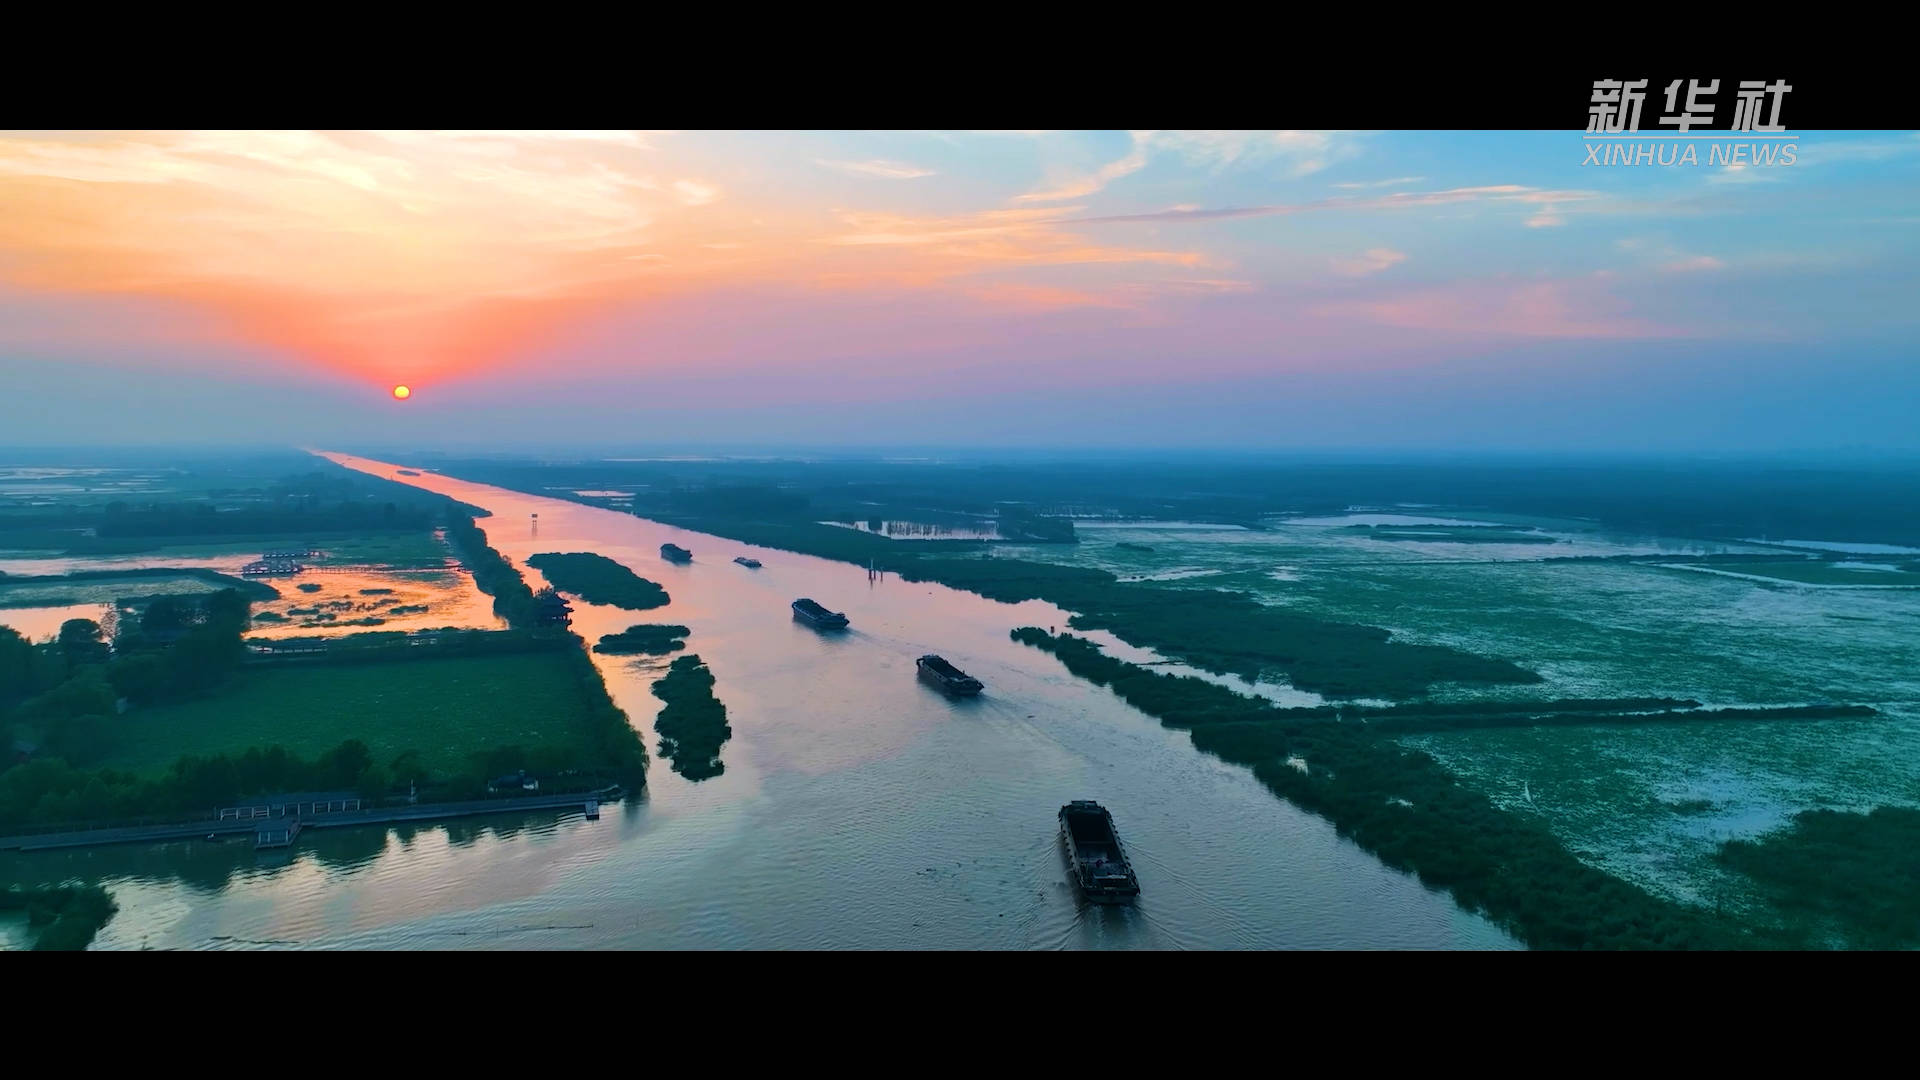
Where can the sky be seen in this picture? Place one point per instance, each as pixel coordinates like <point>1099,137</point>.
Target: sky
<point>1202,289</point>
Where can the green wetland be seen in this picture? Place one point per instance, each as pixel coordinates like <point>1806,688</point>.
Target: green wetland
<point>1651,803</point>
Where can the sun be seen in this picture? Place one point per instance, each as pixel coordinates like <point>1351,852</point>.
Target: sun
<point>401,393</point>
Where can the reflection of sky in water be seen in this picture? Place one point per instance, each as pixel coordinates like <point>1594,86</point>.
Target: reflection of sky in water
<point>37,624</point>
<point>451,599</point>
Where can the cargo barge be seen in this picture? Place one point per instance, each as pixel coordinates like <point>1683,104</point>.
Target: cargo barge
<point>937,671</point>
<point>675,553</point>
<point>1100,864</point>
<point>751,564</point>
<point>809,612</point>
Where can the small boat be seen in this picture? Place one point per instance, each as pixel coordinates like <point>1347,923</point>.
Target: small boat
<point>809,612</point>
<point>1099,862</point>
<point>751,564</point>
<point>675,553</point>
<point>937,671</point>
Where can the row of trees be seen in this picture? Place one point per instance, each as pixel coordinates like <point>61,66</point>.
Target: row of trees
<point>492,573</point>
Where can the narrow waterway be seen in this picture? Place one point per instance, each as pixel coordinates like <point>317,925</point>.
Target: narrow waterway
<point>859,808</point>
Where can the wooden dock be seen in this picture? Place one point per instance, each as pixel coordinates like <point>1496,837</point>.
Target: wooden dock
<point>587,803</point>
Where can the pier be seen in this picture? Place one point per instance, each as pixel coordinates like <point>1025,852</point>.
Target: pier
<point>289,827</point>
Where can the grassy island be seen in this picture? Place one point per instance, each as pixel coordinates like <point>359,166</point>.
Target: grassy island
<point>599,580</point>
<point>645,639</point>
<point>693,724</point>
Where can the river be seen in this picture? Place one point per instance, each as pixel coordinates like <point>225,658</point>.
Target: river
<point>859,809</point>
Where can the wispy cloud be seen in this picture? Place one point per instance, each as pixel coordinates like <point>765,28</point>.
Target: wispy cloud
<point>1082,186</point>
<point>1826,150</point>
<point>695,193</point>
<point>1547,199</point>
<point>1397,181</point>
<point>1371,261</point>
<point>1745,174</point>
<point>1549,309</point>
<point>1305,152</point>
<point>886,170</point>
<point>1667,258</point>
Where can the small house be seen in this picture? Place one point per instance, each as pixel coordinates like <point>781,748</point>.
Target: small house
<point>518,781</point>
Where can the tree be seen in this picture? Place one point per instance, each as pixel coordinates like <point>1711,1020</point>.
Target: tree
<point>143,678</point>
<point>16,665</point>
<point>345,764</point>
<point>81,643</point>
<point>227,610</point>
<point>165,615</point>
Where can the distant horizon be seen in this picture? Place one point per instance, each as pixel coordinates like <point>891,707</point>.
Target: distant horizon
<point>937,453</point>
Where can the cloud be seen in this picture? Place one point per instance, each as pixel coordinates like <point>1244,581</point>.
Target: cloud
<point>992,238</point>
<point>1371,261</point>
<point>1395,182</point>
<point>1824,150</point>
<point>1694,262</point>
<point>1083,186</point>
<point>1305,151</point>
<point>1547,199</point>
<point>886,170</point>
<point>1744,174</point>
<point>1549,309</point>
<point>694,193</point>
<point>400,253</point>
<point>1668,258</point>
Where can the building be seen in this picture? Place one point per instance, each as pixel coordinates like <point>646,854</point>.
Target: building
<point>551,609</point>
<point>519,781</point>
<point>271,566</point>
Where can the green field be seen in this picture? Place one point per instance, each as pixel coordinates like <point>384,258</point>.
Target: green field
<point>445,709</point>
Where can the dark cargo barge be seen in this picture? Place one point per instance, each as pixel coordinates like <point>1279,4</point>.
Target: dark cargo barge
<point>675,553</point>
<point>1099,862</point>
<point>809,612</point>
<point>937,671</point>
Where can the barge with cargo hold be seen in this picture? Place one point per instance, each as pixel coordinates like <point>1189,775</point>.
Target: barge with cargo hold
<point>1100,864</point>
<point>944,675</point>
<point>813,614</point>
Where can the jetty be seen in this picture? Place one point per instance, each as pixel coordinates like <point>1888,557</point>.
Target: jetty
<point>271,830</point>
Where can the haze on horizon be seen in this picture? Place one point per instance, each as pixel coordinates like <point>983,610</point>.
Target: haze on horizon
<point>1283,290</point>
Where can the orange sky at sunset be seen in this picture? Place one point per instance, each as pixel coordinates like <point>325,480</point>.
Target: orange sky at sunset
<point>419,256</point>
